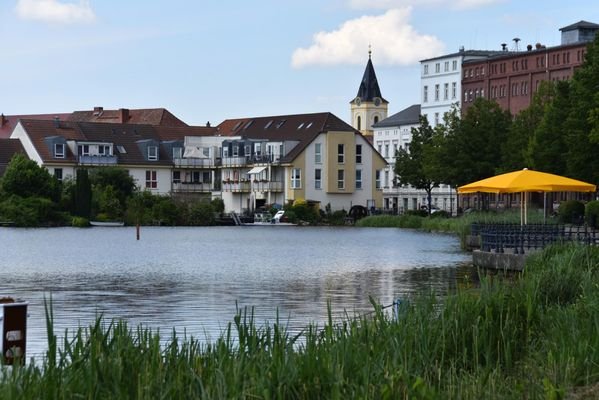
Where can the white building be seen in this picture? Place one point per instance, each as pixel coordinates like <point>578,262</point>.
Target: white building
<point>440,82</point>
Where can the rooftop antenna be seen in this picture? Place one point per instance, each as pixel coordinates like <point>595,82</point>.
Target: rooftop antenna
<point>516,47</point>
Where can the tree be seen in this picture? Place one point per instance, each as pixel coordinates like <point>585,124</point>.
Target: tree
<point>24,178</point>
<point>532,139</point>
<point>417,166</point>
<point>122,183</point>
<point>83,194</point>
<point>474,144</point>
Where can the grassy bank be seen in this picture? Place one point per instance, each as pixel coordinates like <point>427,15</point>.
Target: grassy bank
<point>531,337</point>
<point>459,225</point>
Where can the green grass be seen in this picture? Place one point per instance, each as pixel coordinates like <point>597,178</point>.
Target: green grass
<point>532,336</point>
<point>458,225</point>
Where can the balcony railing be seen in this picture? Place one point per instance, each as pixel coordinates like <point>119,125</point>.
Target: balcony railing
<point>233,161</point>
<point>252,159</point>
<point>262,186</point>
<point>193,187</point>
<point>236,187</point>
<point>98,160</point>
<point>194,162</point>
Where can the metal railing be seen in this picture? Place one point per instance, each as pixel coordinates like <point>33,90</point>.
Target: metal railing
<point>194,162</point>
<point>520,239</point>
<point>193,187</point>
<point>97,160</point>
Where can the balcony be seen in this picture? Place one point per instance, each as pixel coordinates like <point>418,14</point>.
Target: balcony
<point>262,186</point>
<point>194,162</point>
<point>193,187</point>
<point>234,161</point>
<point>232,186</point>
<point>98,160</point>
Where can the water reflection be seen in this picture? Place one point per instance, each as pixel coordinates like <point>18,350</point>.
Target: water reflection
<point>193,279</point>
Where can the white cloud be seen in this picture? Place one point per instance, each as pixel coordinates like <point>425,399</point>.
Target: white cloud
<point>54,11</point>
<point>389,4</point>
<point>393,40</point>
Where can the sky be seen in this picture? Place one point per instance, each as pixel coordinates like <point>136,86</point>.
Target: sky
<point>215,60</point>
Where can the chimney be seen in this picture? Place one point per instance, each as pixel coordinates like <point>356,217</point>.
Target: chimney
<point>529,47</point>
<point>124,114</point>
<point>516,46</point>
<point>98,111</point>
<point>3,120</point>
<point>56,122</point>
<point>208,124</point>
<point>504,46</point>
<point>538,46</point>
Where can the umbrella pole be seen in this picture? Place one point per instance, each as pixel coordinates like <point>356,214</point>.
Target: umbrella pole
<point>544,207</point>
<point>521,210</point>
<point>525,208</point>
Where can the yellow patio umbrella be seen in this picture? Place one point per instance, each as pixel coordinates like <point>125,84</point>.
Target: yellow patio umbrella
<point>527,180</point>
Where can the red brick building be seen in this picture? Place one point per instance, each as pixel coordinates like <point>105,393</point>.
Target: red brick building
<point>511,79</point>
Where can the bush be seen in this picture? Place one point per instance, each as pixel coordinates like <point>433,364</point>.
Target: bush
<point>201,214</point>
<point>591,214</point>
<point>418,213</point>
<point>80,222</point>
<point>337,217</point>
<point>571,212</point>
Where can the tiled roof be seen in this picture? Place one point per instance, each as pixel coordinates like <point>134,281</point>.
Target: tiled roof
<point>580,25</point>
<point>298,127</point>
<point>8,122</point>
<point>126,135</point>
<point>407,116</point>
<point>148,116</point>
<point>8,148</point>
<point>179,132</point>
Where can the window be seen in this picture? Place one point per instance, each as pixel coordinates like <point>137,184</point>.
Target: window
<point>296,178</point>
<point>83,150</point>
<point>376,119</point>
<point>446,91</point>
<point>454,89</point>
<point>454,65</point>
<point>225,151</point>
<point>425,69</point>
<point>378,179</point>
<point>152,153</point>
<point>176,176</point>
<point>386,178</point>
<point>151,181</point>
<point>317,153</point>
<point>121,149</point>
<point>318,178</point>
<point>436,118</point>
<point>58,150</point>
<point>340,179</point>
<point>104,150</point>
<point>358,154</point>
<point>58,173</point>
<point>177,152</point>
<point>340,153</point>
<point>235,151</point>
<point>437,92</point>
<point>359,123</point>
<point>386,150</point>
<point>425,94</point>
<point>437,67</point>
<point>247,150</point>
<point>446,66</point>
<point>358,179</point>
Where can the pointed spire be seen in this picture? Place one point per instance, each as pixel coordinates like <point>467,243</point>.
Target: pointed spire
<point>369,87</point>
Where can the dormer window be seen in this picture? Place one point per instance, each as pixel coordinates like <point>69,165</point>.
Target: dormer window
<point>59,150</point>
<point>152,153</point>
<point>177,152</point>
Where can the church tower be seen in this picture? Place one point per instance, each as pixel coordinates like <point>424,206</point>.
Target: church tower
<point>369,106</point>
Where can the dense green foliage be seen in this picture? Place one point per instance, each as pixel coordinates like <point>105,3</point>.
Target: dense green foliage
<point>571,212</point>
<point>529,336</point>
<point>591,214</point>
<point>82,198</point>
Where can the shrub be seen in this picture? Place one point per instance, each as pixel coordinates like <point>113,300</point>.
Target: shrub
<point>571,212</point>
<point>418,213</point>
<point>591,214</point>
<point>338,217</point>
<point>201,214</point>
<point>80,222</point>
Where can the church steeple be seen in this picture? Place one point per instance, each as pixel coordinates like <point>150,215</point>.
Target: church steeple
<point>369,87</point>
<point>369,106</point>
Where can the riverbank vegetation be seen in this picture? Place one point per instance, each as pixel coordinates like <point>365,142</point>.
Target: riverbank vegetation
<point>529,336</point>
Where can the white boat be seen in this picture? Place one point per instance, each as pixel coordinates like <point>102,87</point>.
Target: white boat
<point>106,223</point>
<point>265,219</point>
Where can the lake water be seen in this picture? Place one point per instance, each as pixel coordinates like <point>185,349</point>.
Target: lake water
<point>192,279</point>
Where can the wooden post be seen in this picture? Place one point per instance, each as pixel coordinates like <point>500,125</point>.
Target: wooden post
<point>137,229</point>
